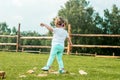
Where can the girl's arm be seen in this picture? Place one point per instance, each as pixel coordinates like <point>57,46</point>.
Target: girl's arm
<point>69,40</point>
<point>48,27</point>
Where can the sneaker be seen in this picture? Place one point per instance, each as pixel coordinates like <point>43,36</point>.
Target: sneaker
<point>45,68</point>
<point>62,71</point>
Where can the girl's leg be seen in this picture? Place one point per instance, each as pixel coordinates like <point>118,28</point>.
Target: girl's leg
<point>52,56</point>
<point>59,57</point>
<point>50,59</point>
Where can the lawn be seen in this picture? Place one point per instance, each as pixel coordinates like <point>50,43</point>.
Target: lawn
<point>17,64</point>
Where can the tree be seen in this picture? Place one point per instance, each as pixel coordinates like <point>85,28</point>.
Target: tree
<point>111,25</point>
<point>82,18</point>
<point>4,28</point>
<point>111,21</point>
<point>14,31</point>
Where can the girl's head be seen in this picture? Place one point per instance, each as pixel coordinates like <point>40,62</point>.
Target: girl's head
<point>60,22</point>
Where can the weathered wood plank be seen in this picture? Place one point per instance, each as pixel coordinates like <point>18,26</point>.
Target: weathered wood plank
<point>8,44</point>
<point>8,36</point>
<point>96,35</point>
<point>30,37</point>
<point>96,46</point>
<point>34,46</point>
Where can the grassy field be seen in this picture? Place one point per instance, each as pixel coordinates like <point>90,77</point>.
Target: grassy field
<point>17,64</point>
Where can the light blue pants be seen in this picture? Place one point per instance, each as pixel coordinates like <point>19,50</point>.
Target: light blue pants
<point>56,51</point>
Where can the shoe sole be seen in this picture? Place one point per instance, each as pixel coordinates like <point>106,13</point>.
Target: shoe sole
<point>44,70</point>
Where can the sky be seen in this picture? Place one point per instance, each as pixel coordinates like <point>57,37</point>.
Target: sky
<point>30,13</point>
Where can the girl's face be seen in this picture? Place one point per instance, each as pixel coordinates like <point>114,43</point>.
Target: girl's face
<point>59,23</point>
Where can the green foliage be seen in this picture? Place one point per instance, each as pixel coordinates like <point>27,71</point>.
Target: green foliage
<point>80,15</point>
<point>110,25</point>
<point>14,31</point>
<point>111,21</point>
<point>4,30</point>
<point>83,20</point>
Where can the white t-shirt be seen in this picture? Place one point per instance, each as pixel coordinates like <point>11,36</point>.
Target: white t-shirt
<point>59,36</point>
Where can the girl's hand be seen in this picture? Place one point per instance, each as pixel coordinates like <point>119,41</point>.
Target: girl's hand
<point>42,24</point>
<point>46,26</point>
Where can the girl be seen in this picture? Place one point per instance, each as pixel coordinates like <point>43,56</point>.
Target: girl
<point>59,36</point>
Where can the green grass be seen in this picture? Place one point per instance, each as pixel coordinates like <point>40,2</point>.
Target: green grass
<point>16,64</point>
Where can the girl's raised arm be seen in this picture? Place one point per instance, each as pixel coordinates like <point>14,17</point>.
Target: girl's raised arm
<point>48,27</point>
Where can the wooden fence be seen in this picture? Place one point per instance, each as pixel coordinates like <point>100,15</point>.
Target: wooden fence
<point>69,47</point>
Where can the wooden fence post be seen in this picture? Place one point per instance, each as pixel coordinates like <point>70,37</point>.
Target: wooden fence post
<point>18,38</point>
<point>68,46</point>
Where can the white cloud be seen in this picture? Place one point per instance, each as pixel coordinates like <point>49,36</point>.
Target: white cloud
<point>17,3</point>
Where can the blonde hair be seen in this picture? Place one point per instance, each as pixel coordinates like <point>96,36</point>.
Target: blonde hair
<point>60,21</point>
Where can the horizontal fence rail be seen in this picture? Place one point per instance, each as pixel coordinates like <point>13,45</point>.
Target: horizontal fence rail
<point>95,35</point>
<point>8,44</point>
<point>31,37</point>
<point>8,36</point>
<point>96,46</point>
<point>34,46</point>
